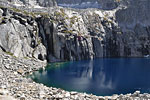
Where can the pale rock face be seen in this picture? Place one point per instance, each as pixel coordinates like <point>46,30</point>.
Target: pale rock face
<point>73,34</point>
<point>47,3</point>
<point>20,38</point>
<point>42,3</point>
<point>6,97</point>
<point>82,4</point>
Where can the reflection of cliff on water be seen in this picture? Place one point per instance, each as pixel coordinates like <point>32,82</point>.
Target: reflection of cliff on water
<point>100,76</point>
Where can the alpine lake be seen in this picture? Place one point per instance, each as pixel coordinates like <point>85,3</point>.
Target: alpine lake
<point>102,77</point>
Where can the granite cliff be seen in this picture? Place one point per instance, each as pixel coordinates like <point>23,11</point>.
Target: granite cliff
<point>60,34</point>
<point>32,3</point>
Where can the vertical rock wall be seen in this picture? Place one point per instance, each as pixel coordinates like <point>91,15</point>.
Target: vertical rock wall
<point>62,34</point>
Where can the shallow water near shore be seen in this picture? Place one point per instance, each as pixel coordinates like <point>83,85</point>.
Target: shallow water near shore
<point>102,77</point>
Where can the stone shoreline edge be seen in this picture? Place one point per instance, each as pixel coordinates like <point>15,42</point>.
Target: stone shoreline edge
<point>15,86</point>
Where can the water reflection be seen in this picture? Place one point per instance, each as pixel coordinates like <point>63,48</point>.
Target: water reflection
<point>100,76</point>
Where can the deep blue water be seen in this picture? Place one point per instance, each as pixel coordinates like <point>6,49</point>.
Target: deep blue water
<point>100,77</point>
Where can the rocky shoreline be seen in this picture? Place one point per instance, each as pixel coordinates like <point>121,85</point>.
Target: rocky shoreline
<point>15,86</point>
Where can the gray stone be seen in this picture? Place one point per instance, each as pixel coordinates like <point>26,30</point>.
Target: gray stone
<point>1,12</point>
<point>6,98</point>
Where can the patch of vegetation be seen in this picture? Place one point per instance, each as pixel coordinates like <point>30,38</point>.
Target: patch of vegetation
<point>60,13</point>
<point>16,10</point>
<point>2,7</point>
<point>73,18</point>
<point>105,19</point>
<point>56,13</point>
<point>36,33</point>
<point>62,10</point>
<point>44,14</point>
<point>11,54</point>
<point>1,19</point>
<point>67,18</point>
<point>39,42</point>
<point>26,58</point>
<point>72,21</point>
<point>67,31</point>
<point>52,21</point>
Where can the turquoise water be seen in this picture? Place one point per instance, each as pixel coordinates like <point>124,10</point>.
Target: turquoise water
<point>100,77</point>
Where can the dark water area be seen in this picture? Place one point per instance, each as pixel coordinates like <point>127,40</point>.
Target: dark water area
<point>103,77</point>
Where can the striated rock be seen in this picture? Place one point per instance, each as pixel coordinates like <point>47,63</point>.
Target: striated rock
<point>47,3</point>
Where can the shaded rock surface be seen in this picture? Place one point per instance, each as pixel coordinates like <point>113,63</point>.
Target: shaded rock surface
<point>83,4</point>
<point>60,34</point>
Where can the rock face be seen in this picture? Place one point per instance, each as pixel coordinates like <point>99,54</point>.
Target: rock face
<point>19,35</point>
<point>134,24</point>
<point>62,44</point>
<point>60,34</point>
<point>47,3</point>
<point>81,4</point>
<point>42,3</point>
<point>108,4</point>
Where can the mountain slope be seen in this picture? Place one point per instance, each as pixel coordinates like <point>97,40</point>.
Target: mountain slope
<point>43,3</point>
<point>60,34</point>
<point>82,4</point>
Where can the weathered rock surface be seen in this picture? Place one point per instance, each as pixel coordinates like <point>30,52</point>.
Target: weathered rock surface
<point>19,35</point>
<point>60,34</point>
<point>83,4</point>
<point>32,3</point>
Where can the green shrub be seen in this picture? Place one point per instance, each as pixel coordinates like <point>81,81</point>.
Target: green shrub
<point>67,31</point>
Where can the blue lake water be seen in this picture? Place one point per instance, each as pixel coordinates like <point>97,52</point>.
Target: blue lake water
<point>100,77</point>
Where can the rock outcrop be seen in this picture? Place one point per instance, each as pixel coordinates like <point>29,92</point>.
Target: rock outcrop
<point>80,4</point>
<point>101,4</point>
<point>19,35</point>
<point>60,34</point>
<point>32,3</point>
